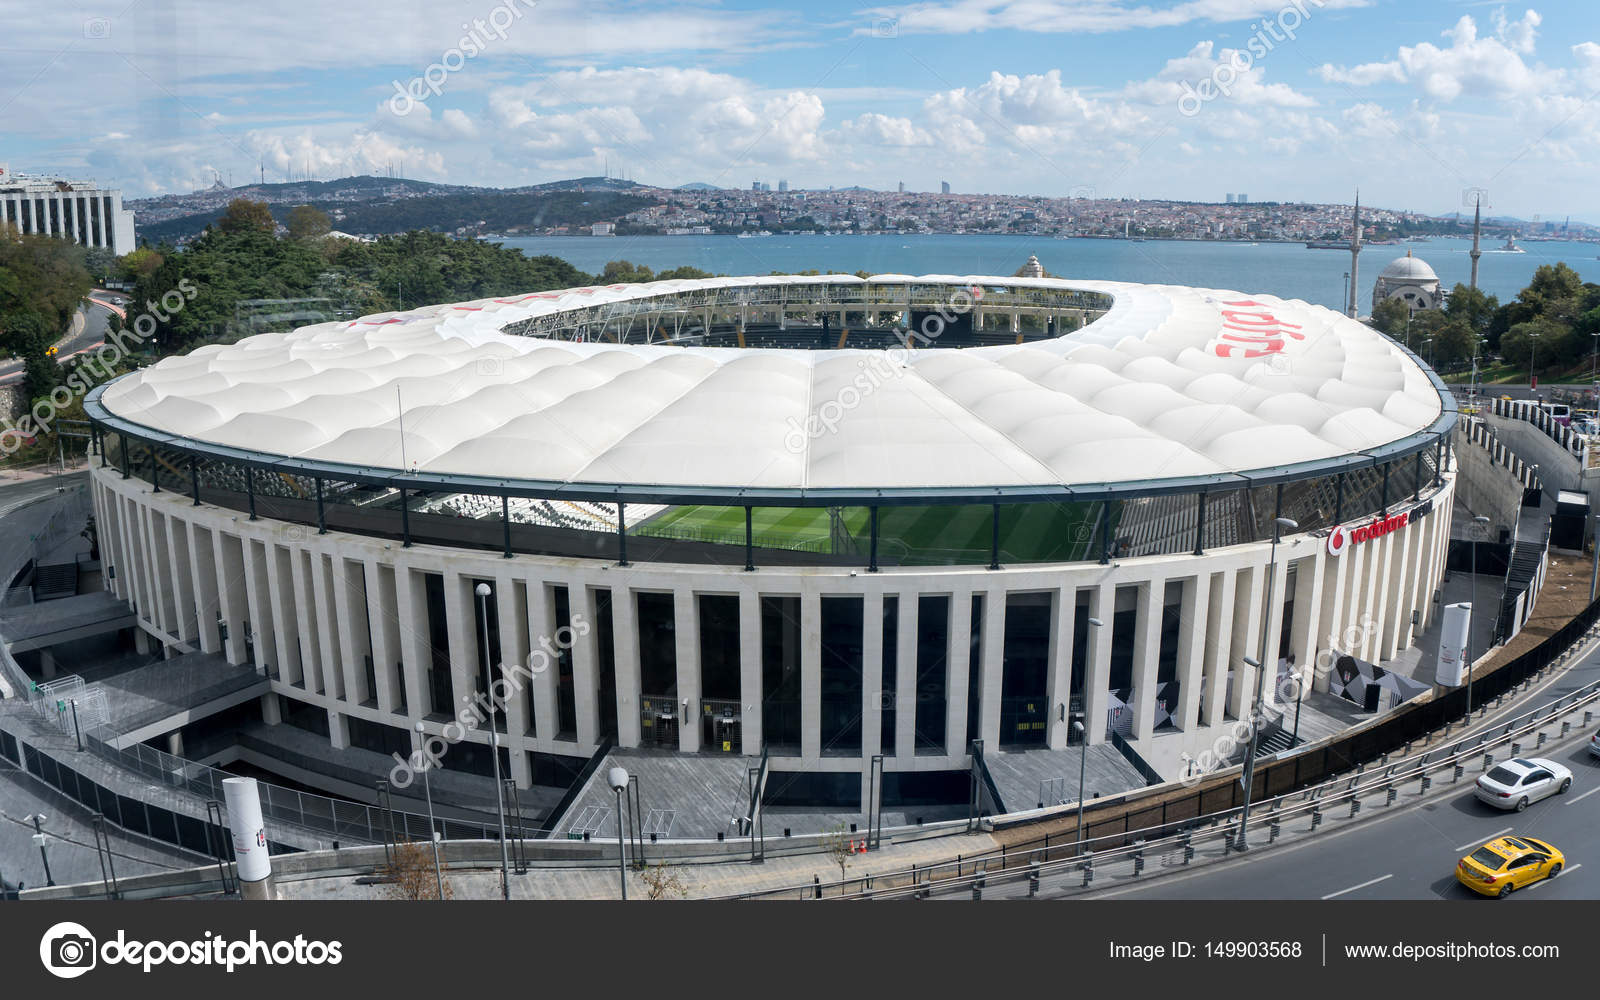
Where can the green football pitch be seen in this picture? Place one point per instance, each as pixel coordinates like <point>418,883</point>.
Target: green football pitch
<point>934,535</point>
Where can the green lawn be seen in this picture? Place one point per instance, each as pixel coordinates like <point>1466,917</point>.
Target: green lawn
<point>912,536</point>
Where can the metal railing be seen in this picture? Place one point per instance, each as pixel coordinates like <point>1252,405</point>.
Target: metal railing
<point>1341,775</point>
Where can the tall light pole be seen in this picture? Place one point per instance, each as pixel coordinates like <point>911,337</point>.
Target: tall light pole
<point>1478,528</point>
<point>617,778</point>
<point>1083,752</point>
<point>427,790</point>
<point>1278,524</point>
<point>483,591</point>
<point>41,838</point>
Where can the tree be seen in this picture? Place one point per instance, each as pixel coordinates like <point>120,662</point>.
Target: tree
<point>619,272</point>
<point>410,873</point>
<point>1530,342</point>
<point>661,881</point>
<point>840,845</point>
<point>1454,342</point>
<point>307,223</point>
<point>244,215</point>
<point>1473,306</point>
<point>1389,316</point>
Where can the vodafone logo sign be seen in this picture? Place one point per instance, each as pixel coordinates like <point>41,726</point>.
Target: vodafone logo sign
<point>1341,538</point>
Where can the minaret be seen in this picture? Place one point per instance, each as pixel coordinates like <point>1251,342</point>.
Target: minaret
<point>1477,205</point>
<point>1355,256</point>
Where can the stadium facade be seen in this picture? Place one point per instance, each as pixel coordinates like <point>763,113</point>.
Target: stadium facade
<point>826,518</point>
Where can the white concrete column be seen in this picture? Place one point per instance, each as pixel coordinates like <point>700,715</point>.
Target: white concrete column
<point>625,643</point>
<point>686,654</point>
<point>1152,596</point>
<point>958,671</point>
<point>258,604</point>
<point>1274,648</point>
<point>751,693</point>
<point>1193,619</point>
<point>338,730</point>
<point>227,555</point>
<point>1251,586</point>
<point>810,675</point>
<point>1097,663</point>
<point>331,620</point>
<point>384,622</point>
<point>991,669</point>
<point>905,679</point>
<point>203,573</point>
<point>1307,612</point>
<point>585,670</point>
<point>415,656</point>
<point>304,626</point>
<point>1218,646</point>
<point>511,613</point>
<point>461,622</point>
<point>1063,622</point>
<point>541,625</point>
<point>348,626</point>
<point>285,628</point>
<point>872,688</point>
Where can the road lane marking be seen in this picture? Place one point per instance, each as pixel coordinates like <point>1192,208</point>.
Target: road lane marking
<point>1484,840</point>
<point>1547,880</point>
<point>1580,798</point>
<point>1363,885</point>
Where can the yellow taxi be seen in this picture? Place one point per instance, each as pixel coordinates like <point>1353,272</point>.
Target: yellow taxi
<point>1506,864</point>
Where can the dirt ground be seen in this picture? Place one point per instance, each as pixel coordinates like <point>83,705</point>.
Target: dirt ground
<point>1565,593</point>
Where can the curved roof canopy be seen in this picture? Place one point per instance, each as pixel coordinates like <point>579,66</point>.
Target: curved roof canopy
<point>1171,382</point>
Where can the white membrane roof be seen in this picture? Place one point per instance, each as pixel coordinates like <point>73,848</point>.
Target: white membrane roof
<point>1170,382</point>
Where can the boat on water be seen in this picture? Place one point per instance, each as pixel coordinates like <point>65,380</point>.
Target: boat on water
<point>1327,244</point>
<point>1511,245</point>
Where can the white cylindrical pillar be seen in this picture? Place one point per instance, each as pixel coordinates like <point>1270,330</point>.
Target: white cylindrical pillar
<point>249,837</point>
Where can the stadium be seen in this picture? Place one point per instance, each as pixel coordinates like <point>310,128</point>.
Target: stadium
<point>849,526</point>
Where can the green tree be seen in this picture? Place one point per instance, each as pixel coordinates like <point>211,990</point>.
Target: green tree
<point>1473,306</point>
<point>1389,316</point>
<point>1530,343</point>
<point>307,223</point>
<point>244,215</point>
<point>1454,342</point>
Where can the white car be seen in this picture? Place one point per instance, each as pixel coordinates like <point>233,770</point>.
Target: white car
<point>1522,780</point>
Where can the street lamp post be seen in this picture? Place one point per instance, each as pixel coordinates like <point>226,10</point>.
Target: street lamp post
<point>617,778</point>
<point>1278,524</point>
<point>427,791</point>
<point>483,591</point>
<point>1478,524</point>
<point>41,838</point>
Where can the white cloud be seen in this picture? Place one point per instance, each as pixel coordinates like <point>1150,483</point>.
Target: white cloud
<point>1484,67</point>
<point>1237,69</point>
<point>1078,16</point>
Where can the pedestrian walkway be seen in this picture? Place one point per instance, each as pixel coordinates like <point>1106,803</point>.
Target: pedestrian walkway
<point>703,880</point>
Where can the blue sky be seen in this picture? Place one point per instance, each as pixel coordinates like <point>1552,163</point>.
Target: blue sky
<point>1415,101</point>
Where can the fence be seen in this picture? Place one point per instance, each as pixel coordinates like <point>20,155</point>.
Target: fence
<point>1530,411</point>
<point>1335,770</point>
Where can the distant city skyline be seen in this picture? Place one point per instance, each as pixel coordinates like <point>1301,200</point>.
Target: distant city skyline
<point>1421,105</point>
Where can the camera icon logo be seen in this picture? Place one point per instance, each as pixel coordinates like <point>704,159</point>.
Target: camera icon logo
<point>97,27</point>
<point>68,950</point>
<point>885,27</point>
<point>491,367</point>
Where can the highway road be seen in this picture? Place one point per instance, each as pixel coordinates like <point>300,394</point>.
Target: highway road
<point>1411,853</point>
<point>88,330</point>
